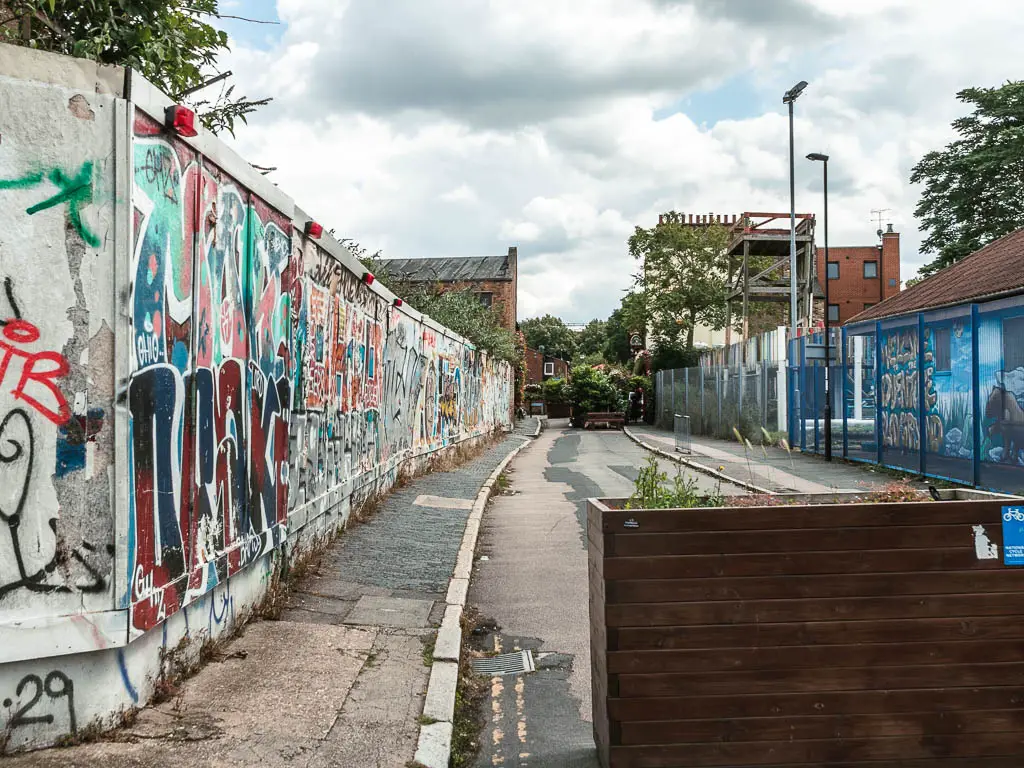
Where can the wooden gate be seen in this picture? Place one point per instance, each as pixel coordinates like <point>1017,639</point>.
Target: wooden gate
<point>833,635</point>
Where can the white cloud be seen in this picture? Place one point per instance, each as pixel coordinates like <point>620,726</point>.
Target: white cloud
<point>461,194</point>
<point>460,127</point>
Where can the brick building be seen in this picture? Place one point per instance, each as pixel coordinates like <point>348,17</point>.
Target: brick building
<point>493,278</point>
<point>859,276</point>
<point>540,367</point>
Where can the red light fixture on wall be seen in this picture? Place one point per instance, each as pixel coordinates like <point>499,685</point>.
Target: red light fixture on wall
<point>180,120</point>
<point>368,278</point>
<point>398,302</point>
<point>313,229</point>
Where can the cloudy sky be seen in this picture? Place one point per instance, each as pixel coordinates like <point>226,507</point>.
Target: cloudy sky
<point>461,127</point>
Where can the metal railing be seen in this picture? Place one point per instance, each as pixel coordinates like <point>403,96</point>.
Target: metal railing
<point>681,429</point>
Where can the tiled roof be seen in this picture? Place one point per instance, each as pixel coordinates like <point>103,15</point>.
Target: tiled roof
<point>451,269</point>
<point>996,269</point>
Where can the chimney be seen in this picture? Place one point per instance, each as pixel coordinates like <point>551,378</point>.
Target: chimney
<point>691,219</point>
<point>890,253</point>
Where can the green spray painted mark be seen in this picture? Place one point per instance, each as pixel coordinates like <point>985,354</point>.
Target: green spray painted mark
<point>23,183</point>
<point>75,190</point>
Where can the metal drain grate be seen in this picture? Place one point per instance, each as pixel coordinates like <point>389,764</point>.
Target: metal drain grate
<point>506,664</point>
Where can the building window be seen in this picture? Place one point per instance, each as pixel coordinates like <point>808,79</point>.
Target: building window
<point>942,350</point>
<point>549,369</point>
<point>833,270</point>
<point>893,282</point>
<point>1013,349</point>
<point>833,313</point>
<point>870,270</point>
<point>486,298</point>
<point>868,304</point>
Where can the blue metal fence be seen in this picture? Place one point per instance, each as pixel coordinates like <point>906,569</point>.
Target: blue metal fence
<point>939,393</point>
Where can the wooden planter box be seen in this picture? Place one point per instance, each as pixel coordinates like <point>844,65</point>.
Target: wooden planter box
<point>837,634</point>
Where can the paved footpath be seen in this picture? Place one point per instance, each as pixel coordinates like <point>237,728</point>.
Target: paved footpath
<point>771,467</point>
<point>531,579</point>
<point>338,681</point>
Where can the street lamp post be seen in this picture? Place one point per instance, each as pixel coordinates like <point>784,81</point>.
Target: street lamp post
<point>789,98</point>
<point>823,159</point>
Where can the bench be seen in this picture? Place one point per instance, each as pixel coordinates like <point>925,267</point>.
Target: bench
<point>608,420</point>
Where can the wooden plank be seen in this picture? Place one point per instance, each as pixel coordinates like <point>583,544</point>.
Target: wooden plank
<point>817,609</point>
<point>817,516</point>
<point>818,633</point>
<point>822,656</point>
<point>833,679</point>
<point>636,544</point>
<point>690,707</point>
<point>820,753</point>
<point>954,762</point>
<point>821,727</point>
<point>964,762</point>
<point>818,585</point>
<point>803,563</point>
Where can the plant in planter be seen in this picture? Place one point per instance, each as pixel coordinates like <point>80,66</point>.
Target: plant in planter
<point>652,491</point>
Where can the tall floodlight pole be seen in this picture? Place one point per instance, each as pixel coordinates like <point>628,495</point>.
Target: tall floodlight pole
<point>789,98</point>
<point>823,159</point>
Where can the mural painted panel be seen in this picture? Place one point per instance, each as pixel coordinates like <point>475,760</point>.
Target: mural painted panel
<point>899,397</point>
<point>948,398</point>
<point>209,392</point>
<point>1001,374</point>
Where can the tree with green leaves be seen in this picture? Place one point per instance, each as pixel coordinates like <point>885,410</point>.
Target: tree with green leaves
<point>462,312</point>
<point>683,277</point>
<point>169,42</point>
<point>974,188</point>
<point>591,340</point>
<point>630,317</point>
<point>552,334</point>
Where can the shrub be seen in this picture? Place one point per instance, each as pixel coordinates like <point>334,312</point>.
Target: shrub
<point>590,392</point>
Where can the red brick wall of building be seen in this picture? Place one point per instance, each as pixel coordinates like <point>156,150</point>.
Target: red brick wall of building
<point>852,292</point>
<point>535,367</point>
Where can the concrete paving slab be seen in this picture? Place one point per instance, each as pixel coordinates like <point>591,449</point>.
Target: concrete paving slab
<point>378,727</point>
<point>326,584</point>
<point>329,606</point>
<point>263,710</point>
<point>390,612</point>
<point>442,502</point>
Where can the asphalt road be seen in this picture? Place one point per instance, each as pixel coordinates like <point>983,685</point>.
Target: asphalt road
<point>533,584</point>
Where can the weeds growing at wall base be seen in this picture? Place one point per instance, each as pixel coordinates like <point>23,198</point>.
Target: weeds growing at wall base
<point>468,720</point>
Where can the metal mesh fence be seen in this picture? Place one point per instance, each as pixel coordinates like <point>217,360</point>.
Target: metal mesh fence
<point>938,393</point>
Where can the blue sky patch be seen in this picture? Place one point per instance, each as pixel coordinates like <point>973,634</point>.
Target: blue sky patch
<point>262,36</point>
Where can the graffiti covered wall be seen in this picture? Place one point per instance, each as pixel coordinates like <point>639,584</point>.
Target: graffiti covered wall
<point>190,390</point>
<point>57,527</point>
